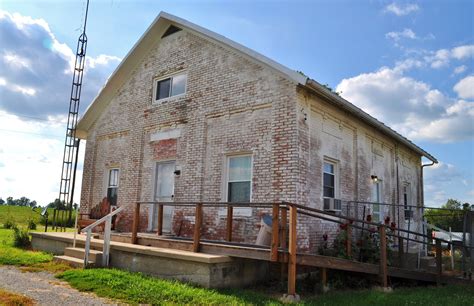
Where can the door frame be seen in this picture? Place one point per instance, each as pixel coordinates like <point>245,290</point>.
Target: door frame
<point>152,224</point>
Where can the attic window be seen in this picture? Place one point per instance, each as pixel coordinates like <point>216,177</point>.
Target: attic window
<point>171,30</point>
<point>170,87</point>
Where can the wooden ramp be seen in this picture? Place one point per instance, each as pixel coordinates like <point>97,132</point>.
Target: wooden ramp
<point>249,251</point>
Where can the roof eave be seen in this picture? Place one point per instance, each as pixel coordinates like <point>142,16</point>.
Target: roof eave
<point>351,108</point>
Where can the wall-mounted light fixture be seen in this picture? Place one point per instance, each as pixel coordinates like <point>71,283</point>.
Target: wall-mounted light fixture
<point>374,178</point>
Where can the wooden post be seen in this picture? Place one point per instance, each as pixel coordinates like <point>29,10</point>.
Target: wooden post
<point>324,279</point>
<point>439,262</point>
<point>292,253</point>
<point>197,227</point>
<point>136,223</point>
<point>283,242</point>
<point>284,221</point>
<point>349,241</point>
<point>275,232</point>
<point>230,215</point>
<point>159,222</point>
<point>383,257</point>
<point>400,251</point>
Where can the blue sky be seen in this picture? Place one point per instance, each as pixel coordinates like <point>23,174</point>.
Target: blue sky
<point>408,63</point>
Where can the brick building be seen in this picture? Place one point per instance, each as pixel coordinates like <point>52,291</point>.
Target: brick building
<point>191,116</point>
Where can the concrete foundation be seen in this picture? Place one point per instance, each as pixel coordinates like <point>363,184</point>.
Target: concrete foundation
<point>210,271</point>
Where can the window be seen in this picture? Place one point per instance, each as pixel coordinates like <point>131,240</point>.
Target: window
<point>376,198</point>
<point>407,201</point>
<point>239,178</point>
<point>112,186</point>
<point>170,87</point>
<point>329,186</point>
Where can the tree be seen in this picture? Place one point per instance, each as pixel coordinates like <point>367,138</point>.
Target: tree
<point>452,215</point>
<point>10,201</point>
<point>57,204</point>
<point>2,201</point>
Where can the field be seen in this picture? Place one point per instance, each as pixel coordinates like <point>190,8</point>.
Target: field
<point>20,215</point>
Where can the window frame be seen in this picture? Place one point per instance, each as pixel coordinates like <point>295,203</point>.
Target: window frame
<point>336,175</point>
<point>108,186</point>
<point>406,191</point>
<point>379,213</point>
<point>171,77</point>
<point>227,173</point>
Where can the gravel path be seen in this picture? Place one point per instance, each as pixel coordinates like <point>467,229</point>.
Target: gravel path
<point>45,289</point>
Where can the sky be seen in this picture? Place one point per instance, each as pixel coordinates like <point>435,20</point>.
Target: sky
<point>408,63</point>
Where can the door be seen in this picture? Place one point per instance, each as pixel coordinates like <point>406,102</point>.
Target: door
<point>164,192</point>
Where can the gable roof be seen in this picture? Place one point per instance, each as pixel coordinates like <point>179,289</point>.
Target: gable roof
<point>154,33</point>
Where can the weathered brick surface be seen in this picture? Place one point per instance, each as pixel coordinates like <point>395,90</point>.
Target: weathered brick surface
<point>233,106</point>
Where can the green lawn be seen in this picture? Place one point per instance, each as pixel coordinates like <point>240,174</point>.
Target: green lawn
<point>20,215</point>
<point>139,289</point>
<point>10,255</point>
<point>136,288</point>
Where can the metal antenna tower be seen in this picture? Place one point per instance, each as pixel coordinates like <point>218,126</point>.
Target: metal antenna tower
<point>71,144</point>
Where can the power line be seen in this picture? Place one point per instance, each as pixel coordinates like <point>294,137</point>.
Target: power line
<point>31,133</point>
<point>31,117</point>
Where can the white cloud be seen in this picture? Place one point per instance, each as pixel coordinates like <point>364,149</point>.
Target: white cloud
<point>460,69</point>
<point>35,82</point>
<point>441,58</point>
<point>406,33</point>
<point>29,50</point>
<point>465,87</point>
<point>463,52</point>
<point>401,10</point>
<point>410,106</point>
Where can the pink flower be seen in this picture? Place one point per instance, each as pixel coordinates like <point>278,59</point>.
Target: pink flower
<point>369,218</point>
<point>387,220</point>
<point>325,237</point>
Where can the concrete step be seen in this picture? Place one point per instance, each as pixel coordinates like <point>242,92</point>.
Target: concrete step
<point>94,255</point>
<point>72,261</point>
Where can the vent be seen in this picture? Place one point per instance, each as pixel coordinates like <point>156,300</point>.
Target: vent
<point>171,30</point>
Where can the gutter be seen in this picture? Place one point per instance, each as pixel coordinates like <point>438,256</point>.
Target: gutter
<point>422,198</point>
<point>351,108</point>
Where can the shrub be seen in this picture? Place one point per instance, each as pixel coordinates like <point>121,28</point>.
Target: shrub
<point>9,224</point>
<point>21,238</point>
<point>31,224</point>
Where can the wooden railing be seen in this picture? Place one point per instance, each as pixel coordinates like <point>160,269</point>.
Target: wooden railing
<point>284,244</point>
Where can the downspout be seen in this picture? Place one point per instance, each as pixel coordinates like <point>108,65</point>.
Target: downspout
<point>422,198</point>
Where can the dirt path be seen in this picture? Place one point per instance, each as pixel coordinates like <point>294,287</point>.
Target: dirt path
<point>45,289</point>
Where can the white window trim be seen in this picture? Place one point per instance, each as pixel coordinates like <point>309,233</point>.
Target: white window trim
<point>407,185</point>
<point>380,207</point>
<point>109,171</point>
<point>335,163</point>
<point>238,211</point>
<point>169,76</point>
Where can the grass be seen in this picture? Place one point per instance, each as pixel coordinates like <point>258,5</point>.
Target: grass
<point>449,295</point>
<point>9,299</point>
<point>21,214</point>
<point>136,288</point>
<point>9,255</point>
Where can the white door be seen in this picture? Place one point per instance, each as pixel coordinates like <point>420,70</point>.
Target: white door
<point>164,192</point>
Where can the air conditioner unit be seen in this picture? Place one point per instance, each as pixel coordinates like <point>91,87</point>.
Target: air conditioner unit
<point>331,204</point>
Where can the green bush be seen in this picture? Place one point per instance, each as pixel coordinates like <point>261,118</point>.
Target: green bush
<point>9,224</point>
<point>31,224</point>
<point>21,238</point>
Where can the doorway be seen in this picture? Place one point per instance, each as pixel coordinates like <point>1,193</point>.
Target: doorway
<point>164,192</point>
